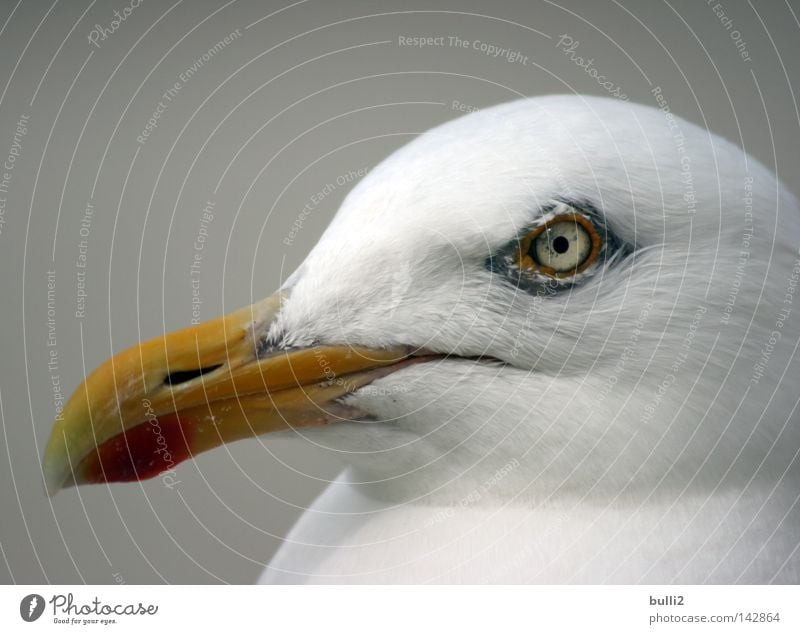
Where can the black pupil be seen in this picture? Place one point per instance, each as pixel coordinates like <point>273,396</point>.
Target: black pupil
<point>560,244</point>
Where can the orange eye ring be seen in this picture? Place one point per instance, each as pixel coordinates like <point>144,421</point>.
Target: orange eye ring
<point>528,262</point>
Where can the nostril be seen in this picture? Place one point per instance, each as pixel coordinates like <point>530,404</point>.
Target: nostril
<point>176,378</point>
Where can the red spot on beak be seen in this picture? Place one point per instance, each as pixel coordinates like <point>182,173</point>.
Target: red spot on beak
<point>142,452</point>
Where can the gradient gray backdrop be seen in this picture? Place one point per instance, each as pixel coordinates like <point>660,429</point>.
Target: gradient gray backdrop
<point>306,93</point>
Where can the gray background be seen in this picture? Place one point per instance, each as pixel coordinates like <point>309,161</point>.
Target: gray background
<point>308,93</point>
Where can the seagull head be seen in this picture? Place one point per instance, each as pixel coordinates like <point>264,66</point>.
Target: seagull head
<point>551,289</point>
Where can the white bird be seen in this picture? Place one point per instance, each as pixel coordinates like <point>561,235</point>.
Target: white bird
<point>554,340</point>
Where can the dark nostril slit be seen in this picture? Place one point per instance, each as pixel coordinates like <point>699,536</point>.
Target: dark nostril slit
<point>175,378</point>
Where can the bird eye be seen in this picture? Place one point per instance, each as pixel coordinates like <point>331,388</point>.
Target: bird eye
<point>564,246</point>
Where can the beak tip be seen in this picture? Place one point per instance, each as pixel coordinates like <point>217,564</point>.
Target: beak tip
<point>53,480</point>
<point>57,473</point>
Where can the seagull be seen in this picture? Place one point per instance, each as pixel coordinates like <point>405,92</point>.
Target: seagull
<point>552,341</point>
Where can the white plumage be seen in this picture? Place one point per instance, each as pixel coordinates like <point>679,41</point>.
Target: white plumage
<point>642,427</point>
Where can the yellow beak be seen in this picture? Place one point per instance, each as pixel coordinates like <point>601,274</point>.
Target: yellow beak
<point>168,399</point>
